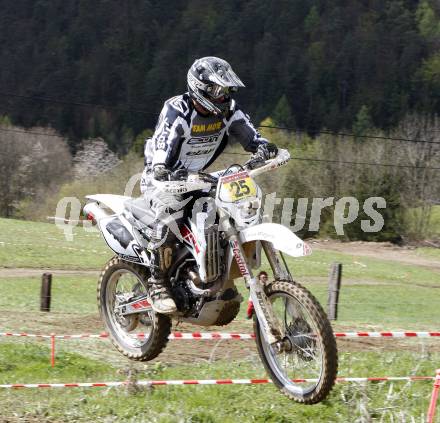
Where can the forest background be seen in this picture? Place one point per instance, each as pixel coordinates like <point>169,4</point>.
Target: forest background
<point>355,85</point>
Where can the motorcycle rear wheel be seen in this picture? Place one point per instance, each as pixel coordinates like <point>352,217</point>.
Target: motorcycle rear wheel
<point>306,370</point>
<point>138,337</point>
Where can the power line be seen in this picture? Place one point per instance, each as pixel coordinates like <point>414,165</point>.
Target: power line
<point>31,132</point>
<point>353,135</point>
<point>313,159</point>
<point>77,103</point>
<point>134,110</point>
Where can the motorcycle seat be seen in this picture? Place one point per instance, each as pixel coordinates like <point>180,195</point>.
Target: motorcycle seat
<point>140,210</point>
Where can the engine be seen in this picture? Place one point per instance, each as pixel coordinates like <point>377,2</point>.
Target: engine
<point>184,298</point>
<point>198,307</point>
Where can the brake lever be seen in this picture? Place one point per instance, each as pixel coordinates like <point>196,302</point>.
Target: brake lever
<point>208,178</point>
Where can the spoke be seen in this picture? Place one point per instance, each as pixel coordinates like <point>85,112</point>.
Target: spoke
<point>124,287</point>
<point>304,360</point>
<point>307,351</point>
<point>305,335</point>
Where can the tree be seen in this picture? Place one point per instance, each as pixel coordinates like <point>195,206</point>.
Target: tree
<point>30,163</point>
<point>139,142</point>
<point>282,114</point>
<point>363,122</point>
<point>427,22</point>
<point>93,159</point>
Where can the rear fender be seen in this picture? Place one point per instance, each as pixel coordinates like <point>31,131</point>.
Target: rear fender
<point>113,202</point>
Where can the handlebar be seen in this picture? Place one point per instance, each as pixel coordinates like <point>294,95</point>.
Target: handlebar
<point>207,177</point>
<point>281,159</point>
<point>204,181</point>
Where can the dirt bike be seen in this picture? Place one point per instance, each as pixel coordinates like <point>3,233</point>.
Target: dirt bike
<point>224,240</point>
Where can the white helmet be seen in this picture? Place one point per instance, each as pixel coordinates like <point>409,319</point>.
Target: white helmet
<point>210,83</point>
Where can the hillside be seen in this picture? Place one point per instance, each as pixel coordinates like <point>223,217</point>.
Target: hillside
<point>315,65</point>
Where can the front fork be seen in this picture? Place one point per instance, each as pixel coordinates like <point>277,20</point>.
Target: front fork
<point>263,307</point>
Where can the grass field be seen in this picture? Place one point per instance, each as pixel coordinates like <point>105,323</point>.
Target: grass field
<point>372,305</point>
<point>376,294</point>
<point>262,403</point>
<point>34,244</point>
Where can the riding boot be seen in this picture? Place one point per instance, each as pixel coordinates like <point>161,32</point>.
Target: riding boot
<point>162,302</point>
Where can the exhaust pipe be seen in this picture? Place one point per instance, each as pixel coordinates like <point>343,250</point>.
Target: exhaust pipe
<point>195,280</point>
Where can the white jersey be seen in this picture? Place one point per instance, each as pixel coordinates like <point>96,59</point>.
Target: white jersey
<point>185,139</point>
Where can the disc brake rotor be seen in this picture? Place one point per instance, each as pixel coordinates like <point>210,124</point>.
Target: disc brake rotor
<point>300,337</point>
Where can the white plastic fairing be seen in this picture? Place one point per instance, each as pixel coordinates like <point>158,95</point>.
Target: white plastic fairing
<point>114,202</point>
<point>120,240</point>
<point>282,238</point>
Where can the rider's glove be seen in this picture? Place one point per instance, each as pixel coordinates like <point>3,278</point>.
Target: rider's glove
<point>267,151</point>
<point>161,173</point>
<point>179,175</point>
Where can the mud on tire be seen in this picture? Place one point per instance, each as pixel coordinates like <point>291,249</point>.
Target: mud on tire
<point>160,324</point>
<point>325,337</point>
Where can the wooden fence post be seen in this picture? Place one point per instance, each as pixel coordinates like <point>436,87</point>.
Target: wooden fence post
<point>334,285</point>
<point>45,294</point>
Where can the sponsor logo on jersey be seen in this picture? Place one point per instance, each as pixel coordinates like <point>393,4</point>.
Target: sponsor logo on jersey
<point>201,128</point>
<point>161,139</point>
<point>203,140</point>
<point>201,152</point>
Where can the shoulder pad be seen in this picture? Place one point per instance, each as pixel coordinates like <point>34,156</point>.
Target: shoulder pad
<point>178,103</point>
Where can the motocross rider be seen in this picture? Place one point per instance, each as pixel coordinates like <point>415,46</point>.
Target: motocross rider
<point>192,131</point>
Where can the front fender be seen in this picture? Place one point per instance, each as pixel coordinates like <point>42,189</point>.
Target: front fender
<point>281,237</point>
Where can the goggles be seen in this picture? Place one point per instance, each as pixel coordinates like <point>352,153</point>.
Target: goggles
<point>216,91</point>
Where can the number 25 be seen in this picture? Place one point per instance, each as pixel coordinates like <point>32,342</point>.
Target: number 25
<point>241,188</point>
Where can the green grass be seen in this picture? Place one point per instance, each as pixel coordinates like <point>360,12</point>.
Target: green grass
<point>39,245</point>
<point>70,294</point>
<point>409,307</point>
<point>28,363</point>
<point>34,244</point>
<point>363,268</point>
<point>377,293</point>
<point>434,223</point>
<point>384,306</point>
<point>429,252</point>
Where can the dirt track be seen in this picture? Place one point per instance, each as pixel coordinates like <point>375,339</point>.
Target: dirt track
<point>19,272</point>
<point>377,250</point>
<point>203,351</point>
<point>177,352</point>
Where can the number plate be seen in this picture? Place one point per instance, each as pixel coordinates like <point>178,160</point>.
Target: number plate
<point>236,187</point>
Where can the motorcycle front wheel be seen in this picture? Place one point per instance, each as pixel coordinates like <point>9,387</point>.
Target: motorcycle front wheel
<point>139,337</point>
<point>305,369</point>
